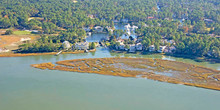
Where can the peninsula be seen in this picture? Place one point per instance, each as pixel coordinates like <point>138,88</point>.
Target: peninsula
<point>155,69</point>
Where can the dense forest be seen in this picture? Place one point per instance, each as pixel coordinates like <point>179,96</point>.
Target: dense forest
<point>156,19</point>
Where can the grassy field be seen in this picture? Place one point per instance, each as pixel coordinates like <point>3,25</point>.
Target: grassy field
<point>22,33</point>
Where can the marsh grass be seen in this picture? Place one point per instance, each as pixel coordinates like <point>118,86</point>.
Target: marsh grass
<point>181,73</point>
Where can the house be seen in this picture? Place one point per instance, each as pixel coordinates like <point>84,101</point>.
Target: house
<point>127,26</point>
<point>66,45</point>
<point>208,20</point>
<point>88,33</point>
<point>124,20</point>
<point>98,29</point>
<point>82,46</point>
<point>120,47</point>
<point>151,48</point>
<point>87,29</point>
<point>25,40</point>
<point>171,42</point>
<point>139,46</point>
<point>171,49</point>
<point>139,39</point>
<point>150,17</point>
<point>3,50</point>
<point>161,49</point>
<point>132,48</point>
<point>109,29</point>
<point>115,21</point>
<point>75,1</point>
<point>35,31</point>
<point>134,27</point>
<point>91,16</point>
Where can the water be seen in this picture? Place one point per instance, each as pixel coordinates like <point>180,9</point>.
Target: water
<point>96,37</point>
<point>25,88</point>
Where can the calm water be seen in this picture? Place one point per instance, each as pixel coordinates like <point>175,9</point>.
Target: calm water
<point>25,88</point>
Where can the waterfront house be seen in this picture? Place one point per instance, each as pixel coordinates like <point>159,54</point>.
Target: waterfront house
<point>139,46</point>
<point>120,47</point>
<point>151,48</point>
<point>66,45</point>
<point>132,48</point>
<point>109,29</point>
<point>127,26</point>
<point>98,29</point>
<point>87,29</point>
<point>134,27</point>
<point>82,46</point>
<point>88,33</point>
<point>161,49</point>
<point>139,39</point>
<point>124,20</point>
<point>171,49</point>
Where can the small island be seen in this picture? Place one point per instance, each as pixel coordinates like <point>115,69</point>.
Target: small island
<point>155,69</point>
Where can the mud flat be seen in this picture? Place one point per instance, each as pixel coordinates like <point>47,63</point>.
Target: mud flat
<point>155,69</point>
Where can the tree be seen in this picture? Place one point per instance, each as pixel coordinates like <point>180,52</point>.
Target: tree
<point>92,45</point>
<point>8,32</point>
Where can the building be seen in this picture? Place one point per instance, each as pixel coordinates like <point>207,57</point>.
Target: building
<point>132,48</point>
<point>4,50</point>
<point>134,27</point>
<point>25,40</point>
<point>171,49</point>
<point>121,46</point>
<point>139,46</point>
<point>98,29</point>
<point>124,20</point>
<point>161,49</point>
<point>66,45</point>
<point>91,16</point>
<point>87,29</point>
<point>151,48</point>
<point>127,26</point>
<point>82,46</point>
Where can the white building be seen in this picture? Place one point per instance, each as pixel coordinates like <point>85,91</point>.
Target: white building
<point>139,46</point>
<point>82,46</point>
<point>132,48</point>
<point>124,20</point>
<point>170,49</point>
<point>98,29</point>
<point>128,26</point>
<point>161,49</point>
<point>134,27</point>
<point>151,48</point>
<point>66,45</point>
<point>87,29</point>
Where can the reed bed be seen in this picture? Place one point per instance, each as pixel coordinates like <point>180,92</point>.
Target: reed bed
<point>155,69</point>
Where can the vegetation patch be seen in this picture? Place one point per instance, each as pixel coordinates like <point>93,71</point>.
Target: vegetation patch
<point>155,69</point>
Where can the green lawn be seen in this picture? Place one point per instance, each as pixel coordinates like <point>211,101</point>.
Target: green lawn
<point>21,32</point>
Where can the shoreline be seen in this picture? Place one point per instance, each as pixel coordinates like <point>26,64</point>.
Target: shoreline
<point>39,54</point>
<point>154,69</point>
<point>198,59</point>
